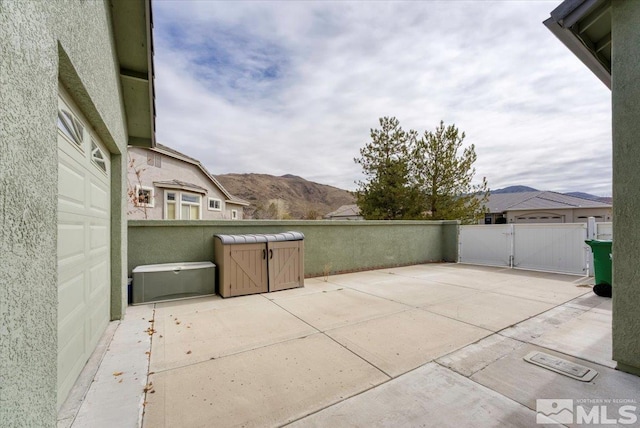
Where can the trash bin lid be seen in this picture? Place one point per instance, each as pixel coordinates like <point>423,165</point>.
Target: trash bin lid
<point>598,243</point>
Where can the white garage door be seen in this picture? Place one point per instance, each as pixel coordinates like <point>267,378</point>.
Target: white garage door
<point>84,279</point>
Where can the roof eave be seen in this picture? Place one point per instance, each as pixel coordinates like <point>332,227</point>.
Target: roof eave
<point>133,33</point>
<point>562,24</point>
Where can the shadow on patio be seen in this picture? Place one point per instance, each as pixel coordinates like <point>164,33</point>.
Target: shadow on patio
<point>434,344</point>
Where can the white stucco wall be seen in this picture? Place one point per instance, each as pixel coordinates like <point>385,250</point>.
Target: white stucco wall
<point>576,215</point>
<point>171,169</point>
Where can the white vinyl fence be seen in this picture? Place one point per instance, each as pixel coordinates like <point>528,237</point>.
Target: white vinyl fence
<point>604,231</point>
<point>544,247</point>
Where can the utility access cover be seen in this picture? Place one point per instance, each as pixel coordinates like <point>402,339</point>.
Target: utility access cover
<point>562,366</point>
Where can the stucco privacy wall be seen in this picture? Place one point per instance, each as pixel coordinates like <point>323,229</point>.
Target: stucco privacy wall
<point>625,34</point>
<point>41,42</point>
<point>338,246</point>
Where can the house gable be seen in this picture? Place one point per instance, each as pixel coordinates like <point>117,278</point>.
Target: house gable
<point>171,175</point>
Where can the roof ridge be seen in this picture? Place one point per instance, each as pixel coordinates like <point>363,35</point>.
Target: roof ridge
<point>535,195</point>
<point>202,167</point>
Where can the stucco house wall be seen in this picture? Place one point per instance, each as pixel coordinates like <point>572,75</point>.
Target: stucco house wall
<point>617,65</point>
<point>44,44</point>
<point>625,33</point>
<point>578,215</point>
<point>165,169</point>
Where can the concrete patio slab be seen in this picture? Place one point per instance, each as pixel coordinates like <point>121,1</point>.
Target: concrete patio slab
<point>363,278</point>
<point>428,396</point>
<point>477,356</point>
<point>403,341</point>
<point>193,337</point>
<point>416,292</point>
<point>271,366</point>
<point>264,387</point>
<point>525,382</point>
<point>191,306</point>
<point>311,286</point>
<point>490,310</point>
<point>587,336</point>
<point>587,301</point>
<point>543,290</point>
<point>120,380</point>
<point>533,328</point>
<point>338,308</point>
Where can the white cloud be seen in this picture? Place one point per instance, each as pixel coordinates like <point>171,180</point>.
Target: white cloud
<point>294,87</point>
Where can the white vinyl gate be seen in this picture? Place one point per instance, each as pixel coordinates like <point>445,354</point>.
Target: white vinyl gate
<point>543,247</point>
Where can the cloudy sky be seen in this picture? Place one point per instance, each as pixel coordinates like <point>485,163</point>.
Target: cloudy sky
<point>294,87</point>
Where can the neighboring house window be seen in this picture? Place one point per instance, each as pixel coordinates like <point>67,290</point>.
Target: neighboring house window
<point>189,206</point>
<point>215,204</point>
<point>234,214</point>
<point>181,206</point>
<point>144,196</point>
<point>154,159</point>
<point>170,205</point>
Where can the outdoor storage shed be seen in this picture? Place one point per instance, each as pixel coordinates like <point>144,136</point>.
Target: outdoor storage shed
<point>169,281</point>
<point>249,264</point>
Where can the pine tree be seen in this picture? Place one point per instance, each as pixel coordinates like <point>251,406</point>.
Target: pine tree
<point>444,176</point>
<point>388,191</point>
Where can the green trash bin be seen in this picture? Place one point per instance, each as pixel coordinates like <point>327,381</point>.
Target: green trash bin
<point>602,267</point>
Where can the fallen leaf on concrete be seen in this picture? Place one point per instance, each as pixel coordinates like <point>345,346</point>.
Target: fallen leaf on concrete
<point>117,373</point>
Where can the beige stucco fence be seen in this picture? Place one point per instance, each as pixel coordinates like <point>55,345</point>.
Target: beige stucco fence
<point>330,246</point>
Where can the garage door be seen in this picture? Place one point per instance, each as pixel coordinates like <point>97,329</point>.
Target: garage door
<point>83,242</point>
<point>539,219</point>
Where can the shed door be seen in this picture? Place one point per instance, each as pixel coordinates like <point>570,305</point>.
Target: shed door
<point>285,265</point>
<point>247,270</point>
<point>84,277</point>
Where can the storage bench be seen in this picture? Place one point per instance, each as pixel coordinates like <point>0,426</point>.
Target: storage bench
<point>170,281</point>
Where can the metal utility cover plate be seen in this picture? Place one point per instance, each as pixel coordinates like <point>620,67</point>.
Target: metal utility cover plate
<point>559,365</point>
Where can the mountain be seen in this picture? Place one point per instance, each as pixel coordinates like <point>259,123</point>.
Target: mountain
<point>514,189</point>
<point>289,195</point>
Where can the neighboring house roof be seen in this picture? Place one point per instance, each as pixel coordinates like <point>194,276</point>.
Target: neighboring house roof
<point>168,151</point>
<point>584,26</point>
<point>182,185</point>
<point>501,202</point>
<point>345,211</point>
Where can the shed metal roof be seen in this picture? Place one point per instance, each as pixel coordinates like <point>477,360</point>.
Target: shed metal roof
<point>255,239</point>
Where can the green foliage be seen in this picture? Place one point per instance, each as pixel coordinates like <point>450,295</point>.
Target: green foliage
<point>387,192</point>
<point>444,176</point>
<point>411,178</point>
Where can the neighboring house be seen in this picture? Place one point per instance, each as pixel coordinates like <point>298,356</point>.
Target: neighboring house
<point>76,89</point>
<point>345,212</point>
<point>543,207</point>
<point>604,35</point>
<point>166,184</point>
